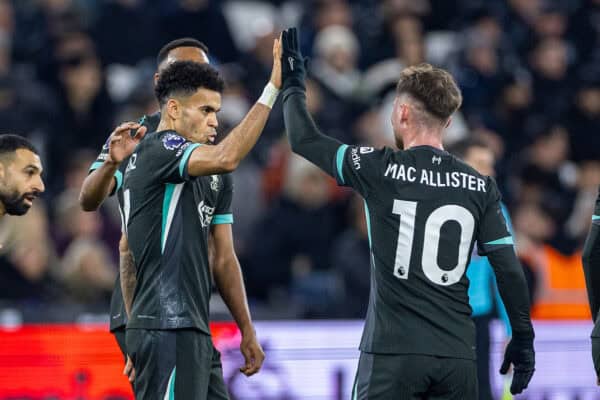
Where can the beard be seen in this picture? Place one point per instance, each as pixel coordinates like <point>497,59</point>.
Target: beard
<point>14,202</point>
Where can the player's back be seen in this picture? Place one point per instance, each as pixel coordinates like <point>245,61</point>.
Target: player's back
<point>425,210</point>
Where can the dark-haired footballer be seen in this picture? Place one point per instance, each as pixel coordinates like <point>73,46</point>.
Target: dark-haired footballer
<point>106,176</point>
<point>174,198</point>
<point>20,175</point>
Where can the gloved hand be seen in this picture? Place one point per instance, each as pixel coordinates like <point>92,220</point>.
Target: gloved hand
<point>293,64</point>
<point>520,353</point>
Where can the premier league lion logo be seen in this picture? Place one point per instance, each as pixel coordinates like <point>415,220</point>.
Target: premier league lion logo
<point>172,141</point>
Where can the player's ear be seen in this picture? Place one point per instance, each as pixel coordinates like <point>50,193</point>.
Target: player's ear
<point>173,109</point>
<point>404,112</point>
<point>156,78</point>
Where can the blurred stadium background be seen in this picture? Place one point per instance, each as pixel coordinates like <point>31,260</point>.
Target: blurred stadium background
<point>71,70</point>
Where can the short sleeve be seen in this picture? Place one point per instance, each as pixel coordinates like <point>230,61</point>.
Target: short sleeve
<point>100,160</point>
<point>169,154</point>
<point>493,232</point>
<point>223,213</point>
<point>359,167</point>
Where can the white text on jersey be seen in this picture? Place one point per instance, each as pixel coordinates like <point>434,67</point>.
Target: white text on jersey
<point>426,177</point>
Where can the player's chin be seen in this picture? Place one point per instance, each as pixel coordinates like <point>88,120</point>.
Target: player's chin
<point>21,208</point>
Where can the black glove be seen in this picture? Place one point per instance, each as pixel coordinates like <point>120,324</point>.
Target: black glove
<point>520,353</point>
<point>293,65</point>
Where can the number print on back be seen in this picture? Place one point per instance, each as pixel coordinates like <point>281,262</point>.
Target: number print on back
<point>433,226</point>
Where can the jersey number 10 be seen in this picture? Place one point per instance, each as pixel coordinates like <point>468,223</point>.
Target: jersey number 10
<point>407,211</point>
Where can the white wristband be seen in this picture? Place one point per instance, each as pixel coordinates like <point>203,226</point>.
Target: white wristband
<point>269,95</point>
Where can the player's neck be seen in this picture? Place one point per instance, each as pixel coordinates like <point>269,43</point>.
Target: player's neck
<point>165,125</point>
<point>169,125</point>
<point>424,140</point>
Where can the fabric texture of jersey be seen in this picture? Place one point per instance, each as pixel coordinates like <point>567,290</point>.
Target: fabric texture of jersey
<point>168,216</point>
<point>425,209</point>
<point>118,316</point>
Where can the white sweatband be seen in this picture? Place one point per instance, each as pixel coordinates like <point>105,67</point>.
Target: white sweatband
<point>269,95</point>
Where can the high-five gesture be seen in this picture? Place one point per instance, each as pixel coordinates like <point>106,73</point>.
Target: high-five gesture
<point>121,143</point>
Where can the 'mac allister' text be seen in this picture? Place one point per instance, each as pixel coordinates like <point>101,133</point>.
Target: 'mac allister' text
<point>438,179</point>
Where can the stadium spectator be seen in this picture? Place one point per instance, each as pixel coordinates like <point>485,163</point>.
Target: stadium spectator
<point>295,236</point>
<point>549,64</point>
<point>200,19</point>
<point>86,110</point>
<point>87,270</point>
<point>334,66</point>
<point>584,119</point>
<point>136,22</point>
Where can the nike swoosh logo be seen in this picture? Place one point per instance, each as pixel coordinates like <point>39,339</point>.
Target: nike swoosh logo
<point>291,62</point>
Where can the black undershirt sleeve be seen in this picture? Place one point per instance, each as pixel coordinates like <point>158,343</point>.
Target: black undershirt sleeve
<point>304,136</point>
<point>513,290</point>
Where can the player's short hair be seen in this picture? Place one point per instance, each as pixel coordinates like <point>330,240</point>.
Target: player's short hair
<point>432,86</point>
<point>463,146</point>
<point>184,78</point>
<point>11,143</point>
<point>174,44</point>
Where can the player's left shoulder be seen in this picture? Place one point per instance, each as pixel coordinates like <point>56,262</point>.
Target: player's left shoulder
<point>171,140</point>
<point>360,155</point>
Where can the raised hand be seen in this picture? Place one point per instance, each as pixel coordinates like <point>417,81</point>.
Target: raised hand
<point>276,72</point>
<point>293,65</point>
<point>121,143</point>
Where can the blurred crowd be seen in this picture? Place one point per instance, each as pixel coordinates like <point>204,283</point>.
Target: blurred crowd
<point>529,70</point>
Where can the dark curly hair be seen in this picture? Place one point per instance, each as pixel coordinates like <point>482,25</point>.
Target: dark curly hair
<point>184,78</point>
